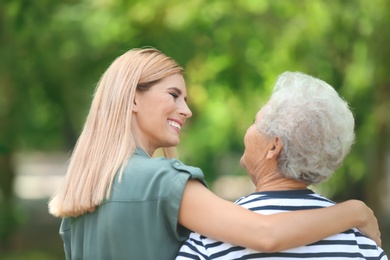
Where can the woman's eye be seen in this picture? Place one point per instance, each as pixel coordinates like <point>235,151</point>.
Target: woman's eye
<point>174,95</point>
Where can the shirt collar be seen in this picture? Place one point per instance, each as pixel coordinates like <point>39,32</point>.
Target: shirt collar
<point>140,151</point>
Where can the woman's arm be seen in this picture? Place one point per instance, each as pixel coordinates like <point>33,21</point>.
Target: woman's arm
<point>205,213</point>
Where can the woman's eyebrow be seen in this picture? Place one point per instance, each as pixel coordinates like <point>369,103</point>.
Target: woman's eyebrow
<point>176,89</point>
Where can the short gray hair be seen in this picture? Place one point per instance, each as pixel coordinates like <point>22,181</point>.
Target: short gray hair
<point>314,124</point>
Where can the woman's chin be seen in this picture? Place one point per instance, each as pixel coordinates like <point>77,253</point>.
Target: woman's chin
<point>173,143</point>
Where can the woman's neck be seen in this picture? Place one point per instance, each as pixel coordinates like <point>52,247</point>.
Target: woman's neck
<point>281,184</point>
<point>272,180</point>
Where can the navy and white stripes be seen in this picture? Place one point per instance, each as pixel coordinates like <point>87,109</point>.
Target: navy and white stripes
<point>347,245</point>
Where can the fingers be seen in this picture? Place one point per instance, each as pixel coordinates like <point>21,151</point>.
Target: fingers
<point>378,241</point>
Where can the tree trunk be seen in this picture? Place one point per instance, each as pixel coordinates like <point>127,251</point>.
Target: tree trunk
<point>7,218</point>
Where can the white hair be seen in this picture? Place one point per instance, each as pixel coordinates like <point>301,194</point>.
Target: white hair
<point>314,124</point>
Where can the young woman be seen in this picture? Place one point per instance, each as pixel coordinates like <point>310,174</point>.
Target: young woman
<point>117,202</point>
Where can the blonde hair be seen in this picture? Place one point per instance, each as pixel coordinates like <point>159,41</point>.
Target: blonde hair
<point>107,142</point>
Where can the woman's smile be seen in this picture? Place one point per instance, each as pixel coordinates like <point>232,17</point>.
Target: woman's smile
<point>175,125</point>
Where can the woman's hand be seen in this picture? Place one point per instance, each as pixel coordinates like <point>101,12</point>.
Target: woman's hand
<point>369,224</point>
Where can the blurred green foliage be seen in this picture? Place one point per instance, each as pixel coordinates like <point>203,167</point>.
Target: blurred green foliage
<point>53,53</point>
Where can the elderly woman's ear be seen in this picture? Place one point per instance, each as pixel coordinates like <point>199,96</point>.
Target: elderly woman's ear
<point>275,147</point>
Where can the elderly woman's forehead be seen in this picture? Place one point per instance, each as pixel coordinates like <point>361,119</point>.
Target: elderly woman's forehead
<point>258,115</point>
<point>260,112</point>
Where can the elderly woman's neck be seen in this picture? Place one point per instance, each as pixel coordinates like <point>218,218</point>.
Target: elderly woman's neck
<point>276,182</point>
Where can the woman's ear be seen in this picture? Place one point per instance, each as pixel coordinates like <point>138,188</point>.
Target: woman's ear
<point>276,148</point>
<point>135,102</point>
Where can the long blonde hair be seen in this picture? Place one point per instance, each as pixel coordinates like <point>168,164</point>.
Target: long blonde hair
<point>107,142</point>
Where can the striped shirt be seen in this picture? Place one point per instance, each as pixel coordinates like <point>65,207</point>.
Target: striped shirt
<point>350,244</point>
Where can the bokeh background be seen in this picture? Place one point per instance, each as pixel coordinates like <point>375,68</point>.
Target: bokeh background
<point>52,54</point>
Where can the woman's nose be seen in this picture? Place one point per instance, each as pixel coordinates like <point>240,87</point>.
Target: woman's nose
<point>185,110</point>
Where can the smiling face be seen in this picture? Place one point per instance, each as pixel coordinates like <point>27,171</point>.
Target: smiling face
<point>159,113</point>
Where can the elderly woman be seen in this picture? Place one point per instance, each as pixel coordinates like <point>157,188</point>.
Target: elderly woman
<point>300,137</point>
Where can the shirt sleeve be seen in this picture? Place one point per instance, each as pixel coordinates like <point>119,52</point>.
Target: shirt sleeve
<point>182,174</point>
<point>193,172</point>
